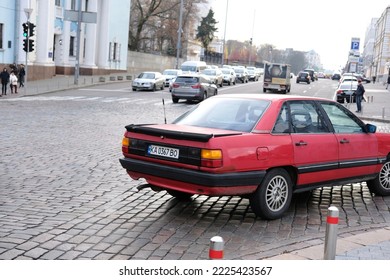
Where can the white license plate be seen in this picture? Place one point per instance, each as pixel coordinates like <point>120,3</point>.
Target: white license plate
<point>349,92</point>
<point>163,151</point>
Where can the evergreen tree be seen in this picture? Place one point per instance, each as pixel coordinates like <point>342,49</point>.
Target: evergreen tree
<point>206,29</point>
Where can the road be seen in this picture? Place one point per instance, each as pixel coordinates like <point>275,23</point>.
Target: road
<point>64,195</point>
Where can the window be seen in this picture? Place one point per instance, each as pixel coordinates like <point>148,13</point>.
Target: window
<point>342,120</point>
<point>58,3</point>
<point>282,125</point>
<point>1,35</point>
<point>71,46</point>
<point>73,5</point>
<point>305,118</point>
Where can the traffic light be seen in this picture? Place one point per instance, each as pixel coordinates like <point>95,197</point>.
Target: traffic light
<point>25,45</point>
<point>25,29</point>
<point>30,45</point>
<point>250,41</point>
<point>31,27</point>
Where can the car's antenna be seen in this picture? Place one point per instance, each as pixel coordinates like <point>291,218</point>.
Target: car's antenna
<point>165,115</point>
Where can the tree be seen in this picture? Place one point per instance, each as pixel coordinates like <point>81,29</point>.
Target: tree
<point>206,29</point>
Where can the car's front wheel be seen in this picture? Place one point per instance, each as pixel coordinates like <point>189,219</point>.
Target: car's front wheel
<point>381,184</point>
<point>273,197</point>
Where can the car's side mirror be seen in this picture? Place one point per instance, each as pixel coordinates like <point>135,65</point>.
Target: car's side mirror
<point>370,128</point>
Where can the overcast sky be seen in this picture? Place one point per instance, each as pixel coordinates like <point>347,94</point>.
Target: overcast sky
<point>324,26</point>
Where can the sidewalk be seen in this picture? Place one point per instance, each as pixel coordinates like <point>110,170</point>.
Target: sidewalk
<point>369,245</point>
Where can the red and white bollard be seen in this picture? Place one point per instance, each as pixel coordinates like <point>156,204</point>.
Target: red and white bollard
<point>332,222</point>
<point>216,248</point>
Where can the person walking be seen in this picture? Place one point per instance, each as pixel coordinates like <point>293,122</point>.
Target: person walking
<point>22,74</point>
<point>373,79</point>
<point>388,81</point>
<point>13,82</point>
<point>359,96</point>
<point>4,77</point>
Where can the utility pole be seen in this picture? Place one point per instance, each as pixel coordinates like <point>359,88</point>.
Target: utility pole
<point>178,49</point>
<point>77,64</point>
<point>224,34</point>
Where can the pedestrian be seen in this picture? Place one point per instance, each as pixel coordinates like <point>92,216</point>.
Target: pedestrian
<point>22,74</point>
<point>373,79</point>
<point>388,81</point>
<point>13,82</point>
<point>359,96</point>
<point>4,77</point>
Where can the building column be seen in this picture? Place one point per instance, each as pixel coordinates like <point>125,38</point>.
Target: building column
<point>44,32</point>
<point>102,37</point>
<point>90,44</point>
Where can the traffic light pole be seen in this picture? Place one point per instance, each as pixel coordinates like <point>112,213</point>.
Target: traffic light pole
<point>26,65</point>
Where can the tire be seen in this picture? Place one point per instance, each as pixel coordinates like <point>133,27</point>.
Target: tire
<point>154,87</point>
<point>180,195</point>
<point>381,184</point>
<point>264,90</point>
<point>162,87</point>
<point>175,100</point>
<point>273,196</point>
<point>134,89</point>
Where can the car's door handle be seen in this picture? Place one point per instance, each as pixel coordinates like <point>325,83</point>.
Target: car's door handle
<point>344,141</point>
<point>301,143</point>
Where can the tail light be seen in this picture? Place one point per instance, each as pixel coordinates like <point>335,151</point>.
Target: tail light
<point>211,158</point>
<point>196,86</point>
<point>339,91</point>
<point>125,145</point>
<point>175,85</point>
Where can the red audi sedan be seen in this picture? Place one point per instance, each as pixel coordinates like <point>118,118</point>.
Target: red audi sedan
<point>264,147</point>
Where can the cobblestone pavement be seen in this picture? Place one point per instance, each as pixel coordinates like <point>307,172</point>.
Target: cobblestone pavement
<point>64,195</point>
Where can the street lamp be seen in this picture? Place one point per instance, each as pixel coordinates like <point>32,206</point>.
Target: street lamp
<point>224,34</point>
<point>179,31</point>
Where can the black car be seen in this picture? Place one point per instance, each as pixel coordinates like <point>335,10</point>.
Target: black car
<point>336,77</point>
<point>303,77</point>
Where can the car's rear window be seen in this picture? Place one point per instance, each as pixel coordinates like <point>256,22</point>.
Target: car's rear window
<point>187,80</point>
<point>228,113</point>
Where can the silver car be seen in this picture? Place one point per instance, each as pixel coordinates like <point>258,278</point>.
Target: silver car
<point>149,81</point>
<point>192,87</point>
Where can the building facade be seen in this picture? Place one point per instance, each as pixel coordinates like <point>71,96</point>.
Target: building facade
<point>98,45</point>
<point>381,53</point>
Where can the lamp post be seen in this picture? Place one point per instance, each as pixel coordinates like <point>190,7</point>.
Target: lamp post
<point>224,34</point>
<point>179,31</point>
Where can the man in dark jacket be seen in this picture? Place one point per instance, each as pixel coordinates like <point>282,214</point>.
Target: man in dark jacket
<point>4,77</point>
<point>359,96</point>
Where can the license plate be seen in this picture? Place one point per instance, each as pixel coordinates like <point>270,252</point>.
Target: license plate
<point>163,151</point>
<point>349,92</point>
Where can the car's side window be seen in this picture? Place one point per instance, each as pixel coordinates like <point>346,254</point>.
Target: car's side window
<point>305,118</point>
<point>341,119</point>
<point>281,124</point>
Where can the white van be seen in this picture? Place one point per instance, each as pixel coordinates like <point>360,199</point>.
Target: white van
<point>193,66</point>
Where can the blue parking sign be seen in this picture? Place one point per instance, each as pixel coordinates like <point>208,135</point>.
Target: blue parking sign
<point>355,45</point>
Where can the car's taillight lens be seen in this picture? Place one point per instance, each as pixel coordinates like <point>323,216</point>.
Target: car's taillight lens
<point>339,91</point>
<point>175,85</point>
<point>211,158</point>
<point>125,145</point>
<point>197,86</point>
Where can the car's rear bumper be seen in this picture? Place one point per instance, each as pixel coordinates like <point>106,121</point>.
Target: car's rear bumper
<point>248,180</point>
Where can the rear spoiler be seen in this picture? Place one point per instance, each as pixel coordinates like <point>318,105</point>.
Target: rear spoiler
<point>140,128</point>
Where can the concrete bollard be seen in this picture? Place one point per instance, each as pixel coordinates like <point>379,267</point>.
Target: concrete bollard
<point>332,222</point>
<point>216,248</point>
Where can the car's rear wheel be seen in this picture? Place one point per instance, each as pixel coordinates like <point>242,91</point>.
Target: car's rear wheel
<point>154,87</point>
<point>264,90</point>
<point>381,184</point>
<point>134,89</point>
<point>175,100</point>
<point>180,195</point>
<point>273,196</point>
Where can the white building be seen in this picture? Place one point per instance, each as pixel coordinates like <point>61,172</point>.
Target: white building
<point>381,59</point>
<point>103,42</point>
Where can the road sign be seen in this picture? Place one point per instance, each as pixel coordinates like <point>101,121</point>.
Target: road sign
<point>355,44</point>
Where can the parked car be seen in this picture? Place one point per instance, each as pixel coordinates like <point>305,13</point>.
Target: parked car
<point>170,74</point>
<point>192,86</point>
<point>229,76</point>
<point>148,81</point>
<point>303,77</point>
<point>241,74</point>
<point>345,92</point>
<point>265,147</point>
<point>215,75</point>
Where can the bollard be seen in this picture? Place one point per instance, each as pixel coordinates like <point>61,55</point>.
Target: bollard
<point>332,222</point>
<point>383,112</point>
<point>216,248</point>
